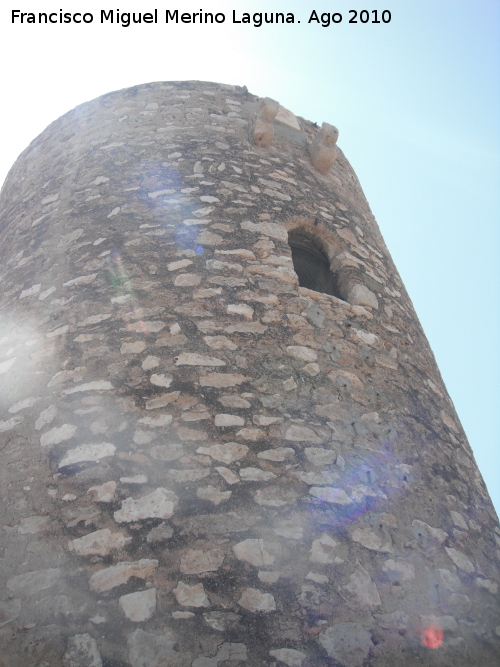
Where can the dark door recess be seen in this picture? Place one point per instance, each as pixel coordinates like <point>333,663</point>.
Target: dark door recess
<point>311,263</point>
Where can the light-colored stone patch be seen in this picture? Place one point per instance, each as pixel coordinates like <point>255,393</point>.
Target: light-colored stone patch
<point>167,452</point>
<point>135,479</point>
<point>277,454</point>
<point>105,493</point>
<point>254,552</point>
<point>5,366</point>
<point>368,539</point>
<point>275,497</point>
<point>346,380</point>
<point>81,280</point>
<point>142,437</point>
<point>252,434</point>
<point>228,475</point>
<point>87,454</point>
<point>30,292</point>
<point>301,353</point>
<point>301,434</point>
<point>43,295</point>
<point>82,651</point>
<point>222,380</point>
<point>196,561</point>
<point>99,543</point>
<point>398,571</point>
<point>320,457</point>
<point>328,494</point>
<point>458,520</point>
<point>311,369</point>
<point>139,606</point>
<point>11,423</point>
<point>228,420</point>
<point>22,405</point>
<point>322,550</point>
<point>265,420</point>
<point>422,529</point>
<point>316,478</point>
<point>252,599</point>
<point>159,504</point>
<point>289,656</point>
<point>94,319</point>
<point>150,362</point>
<point>362,589</point>
<point>194,359</point>
<point>220,620</point>
<point>487,585</point>
<point>96,385</point>
<point>33,524</point>
<point>181,264</point>
<point>45,417</point>
<point>161,380</point>
<point>162,401</point>
<point>30,583</point>
<point>256,475</point>
<point>57,435</point>
<point>133,348</point>
<point>227,453</point>
<point>161,420</point>
<point>234,401</point>
<point>110,577</point>
<point>75,374</point>
<point>347,643</point>
<point>55,333</point>
<point>460,560</point>
<point>213,495</point>
<point>187,280</point>
<point>220,343</point>
<point>240,309</point>
<point>191,596</point>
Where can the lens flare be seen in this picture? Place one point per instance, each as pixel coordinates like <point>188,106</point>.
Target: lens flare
<point>432,636</point>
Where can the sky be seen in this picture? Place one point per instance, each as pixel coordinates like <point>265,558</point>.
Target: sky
<point>417,104</point>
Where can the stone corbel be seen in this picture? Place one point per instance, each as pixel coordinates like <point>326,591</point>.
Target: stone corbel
<point>262,130</point>
<point>322,151</point>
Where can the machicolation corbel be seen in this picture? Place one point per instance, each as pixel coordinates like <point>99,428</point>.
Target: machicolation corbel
<point>322,151</point>
<point>262,130</point>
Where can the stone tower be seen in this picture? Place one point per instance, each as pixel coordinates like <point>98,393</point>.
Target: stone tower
<point>224,437</point>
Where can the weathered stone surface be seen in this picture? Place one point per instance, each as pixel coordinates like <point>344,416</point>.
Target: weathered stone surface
<point>105,580</point>
<point>159,504</point>
<point>139,606</point>
<point>191,596</point>
<point>347,643</point>
<point>254,600</point>
<point>99,543</point>
<point>82,651</point>
<point>156,335</point>
<point>196,561</point>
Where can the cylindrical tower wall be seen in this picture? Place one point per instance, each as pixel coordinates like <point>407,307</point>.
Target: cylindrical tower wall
<point>203,462</point>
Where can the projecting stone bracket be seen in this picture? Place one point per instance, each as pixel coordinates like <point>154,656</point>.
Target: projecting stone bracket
<point>322,151</point>
<point>262,130</point>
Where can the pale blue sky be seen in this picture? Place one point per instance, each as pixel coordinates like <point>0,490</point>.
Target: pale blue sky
<point>417,103</point>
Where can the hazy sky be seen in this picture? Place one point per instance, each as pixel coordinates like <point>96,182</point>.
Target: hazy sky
<point>417,103</point>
